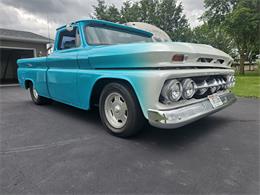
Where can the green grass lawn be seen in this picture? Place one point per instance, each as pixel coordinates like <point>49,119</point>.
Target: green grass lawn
<point>248,85</point>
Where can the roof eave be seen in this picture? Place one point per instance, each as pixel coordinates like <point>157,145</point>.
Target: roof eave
<point>9,38</point>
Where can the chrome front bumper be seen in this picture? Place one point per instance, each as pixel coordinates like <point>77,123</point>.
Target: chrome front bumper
<point>174,118</point>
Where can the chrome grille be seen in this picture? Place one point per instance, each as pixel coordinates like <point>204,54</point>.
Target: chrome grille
<point>209,85</point>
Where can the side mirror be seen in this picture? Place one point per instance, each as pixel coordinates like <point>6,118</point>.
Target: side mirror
<point>49,49</point>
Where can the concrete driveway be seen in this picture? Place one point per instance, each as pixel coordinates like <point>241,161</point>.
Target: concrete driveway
<point>59,149</point>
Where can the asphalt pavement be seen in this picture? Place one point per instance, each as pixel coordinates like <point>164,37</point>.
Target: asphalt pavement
<point>58,149</point>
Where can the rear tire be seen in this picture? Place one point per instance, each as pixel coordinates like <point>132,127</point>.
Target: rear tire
<point>120,111</point>
<point>36,98</point>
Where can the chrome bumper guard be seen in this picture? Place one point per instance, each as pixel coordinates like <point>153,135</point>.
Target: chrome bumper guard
<point>174,118</point>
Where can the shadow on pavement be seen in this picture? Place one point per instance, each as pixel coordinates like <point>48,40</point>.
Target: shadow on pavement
<point>164,137</point>
<point>183,135</point>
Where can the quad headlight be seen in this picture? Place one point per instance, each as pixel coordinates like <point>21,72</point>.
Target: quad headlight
<point>172,90</point>
<point>189,88</point>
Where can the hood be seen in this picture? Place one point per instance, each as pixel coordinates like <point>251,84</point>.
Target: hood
<point>157,55</point>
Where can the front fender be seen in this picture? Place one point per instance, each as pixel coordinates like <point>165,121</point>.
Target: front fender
<point>140,80</point>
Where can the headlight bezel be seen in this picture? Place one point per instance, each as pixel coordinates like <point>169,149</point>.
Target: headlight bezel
<point>169,87</point>
<point>186,83</point>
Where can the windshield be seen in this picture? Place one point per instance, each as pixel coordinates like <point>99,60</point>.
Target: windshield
<point>108,36</point>
<point>158,34</point>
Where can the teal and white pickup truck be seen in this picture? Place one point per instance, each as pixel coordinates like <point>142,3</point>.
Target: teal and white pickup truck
<point>132,78</point>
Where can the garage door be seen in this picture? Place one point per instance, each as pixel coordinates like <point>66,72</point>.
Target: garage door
<point>8,66</point>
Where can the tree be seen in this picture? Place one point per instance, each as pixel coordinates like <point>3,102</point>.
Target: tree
<point>104,12</point>
<point>113,13</point>
<point>172,20</point>
<point>216,10</point>
<point>165,14</point>
<point>101,10</point>
<point>239,19</point>
<point>129,12</point>
<point>214,36</point>
<point>243,25</point>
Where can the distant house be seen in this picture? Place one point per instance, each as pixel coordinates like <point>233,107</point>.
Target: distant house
<point>14,45</point>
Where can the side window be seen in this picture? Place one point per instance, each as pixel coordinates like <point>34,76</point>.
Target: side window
<point>69,39</point>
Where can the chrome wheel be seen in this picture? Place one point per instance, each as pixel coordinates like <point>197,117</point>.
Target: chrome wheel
<point>116,110</point>
<point>35,94</point>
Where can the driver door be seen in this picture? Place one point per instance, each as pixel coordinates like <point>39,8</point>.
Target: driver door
<point>63,68</point>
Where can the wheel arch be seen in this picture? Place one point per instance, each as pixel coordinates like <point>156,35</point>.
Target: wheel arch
<point>27,83</point>
<point>102,82</point>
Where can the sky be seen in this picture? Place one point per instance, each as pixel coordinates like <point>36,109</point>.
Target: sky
<point>39,15</point>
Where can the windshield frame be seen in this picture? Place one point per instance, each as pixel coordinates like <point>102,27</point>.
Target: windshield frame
<point>111,28</point>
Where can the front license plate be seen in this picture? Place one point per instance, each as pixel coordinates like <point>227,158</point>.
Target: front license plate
<point>215,100</point>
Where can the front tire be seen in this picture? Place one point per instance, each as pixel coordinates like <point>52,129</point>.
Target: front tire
<point>120,111</point>
<point>36,98</point>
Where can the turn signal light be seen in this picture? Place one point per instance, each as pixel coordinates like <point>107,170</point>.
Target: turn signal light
<point>178,58</point>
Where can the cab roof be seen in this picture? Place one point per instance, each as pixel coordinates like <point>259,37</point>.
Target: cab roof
<point>110,24</point>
